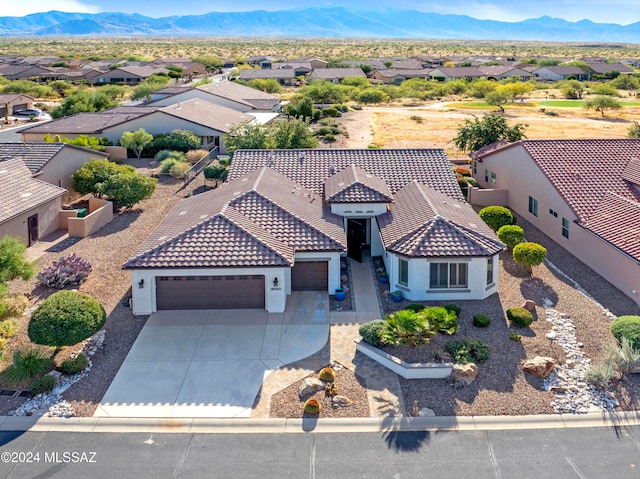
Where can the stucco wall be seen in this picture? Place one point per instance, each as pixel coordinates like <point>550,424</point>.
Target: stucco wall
<point>101,213</point>
<point>60,168</point>
<point>488,197</point>
<point>358,210</point>
<point>47,221</point>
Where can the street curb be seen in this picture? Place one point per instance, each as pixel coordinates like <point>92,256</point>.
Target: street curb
<point>315,425</point>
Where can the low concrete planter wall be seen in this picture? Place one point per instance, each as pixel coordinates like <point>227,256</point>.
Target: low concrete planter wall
<point>100,213</point>
<point>406,370</point>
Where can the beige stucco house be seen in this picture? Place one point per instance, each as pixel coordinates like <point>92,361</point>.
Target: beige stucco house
<point>583,194</point>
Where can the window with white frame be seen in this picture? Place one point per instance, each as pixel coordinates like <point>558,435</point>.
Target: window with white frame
<point>403,272</point>
<point>490,267</point>
<point>447,275</point>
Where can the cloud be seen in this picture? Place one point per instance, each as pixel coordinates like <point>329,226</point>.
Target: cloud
<point>19,8</point>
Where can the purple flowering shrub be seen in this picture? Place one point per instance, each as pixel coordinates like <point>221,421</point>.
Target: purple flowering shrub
<point>72,270</point>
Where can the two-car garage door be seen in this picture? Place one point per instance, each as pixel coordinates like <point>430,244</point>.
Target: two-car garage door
<point>210,292</point>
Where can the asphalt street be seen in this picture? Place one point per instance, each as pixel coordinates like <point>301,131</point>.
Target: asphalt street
<point>584,453</point>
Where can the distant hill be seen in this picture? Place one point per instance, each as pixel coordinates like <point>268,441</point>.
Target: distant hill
<point>320,22</point>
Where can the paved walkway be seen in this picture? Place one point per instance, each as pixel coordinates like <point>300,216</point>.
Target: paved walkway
<point>385,397</point>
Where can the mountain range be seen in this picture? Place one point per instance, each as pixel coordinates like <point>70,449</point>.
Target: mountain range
<point>342,21</point>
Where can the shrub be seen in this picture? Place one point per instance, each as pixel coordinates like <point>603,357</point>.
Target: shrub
<point>415,307</point>
<point>179,169</point>
<point>481,321</point>
<point>329,138</point>
<point>453,307</point>
<point>74,366</point>
<point>496,216</point>
<point>407,327</point>
<point>215,172</point>
<point>166,165</point>
<point>520,317</point>
<point>13,306</point>
<point>513,336</point>
<point>193,156</point>
<point>441,319</point>
<point>8,328</point>
<point>529,254</point>
<point>72,270</point>
<point>623,357</point>
<point>312,406</point>
<point>331,111</point>
<point>416,118</point>
<point>327,374</point>
<point>468,351</point>
<point>627,327</point>
<point>511,235</point>
<point>66,318</point>
<point>27,363</point>
<point>599,375</point>
<point>371,331</point>
<point>42,385</point>
<point>323,130</point>
<point>166,154</point>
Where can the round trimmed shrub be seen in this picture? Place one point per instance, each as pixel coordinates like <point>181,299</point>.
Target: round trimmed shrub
<point>496,216</point>
<point>74,366</point>
<point>529,254</point>
<point>520,317</point>
<point>371,331</point>
<point>327,374</point>
<point>41,385</point>
<point>312,406</point>
<point>415,307</point>
<point>627,327</point>
<point>453,307</point>
<point>66,318</point>
<point>481,321</point>
<point>511,235</point>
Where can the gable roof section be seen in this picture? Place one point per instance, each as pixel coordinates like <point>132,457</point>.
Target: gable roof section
<point>310,168</point>
<point>85,123</point>
<point>334,73</point>
<point>36,155</point>
<point>20,192</point>
<point>207,114</point>
<point>427,223</point>
<point>631,172</point>
<point>241,94</point>
<point>257,220</point>
<point>354,185</point>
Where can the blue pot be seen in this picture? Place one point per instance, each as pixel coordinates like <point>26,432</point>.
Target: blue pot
<point>384,279</point>
<point>339,294</point>
<point>396,298</point>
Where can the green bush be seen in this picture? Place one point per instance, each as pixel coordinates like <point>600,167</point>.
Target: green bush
<point>520,317</point>
<point>179,169</point>
<point>496,216</point>
<point>481,321</point>
<point>511,235</point>
<point>66,318</point>
<point>331,112</point>
<point>215,172</point>
<point>73,366</point>
<point>453,307</point>
<point>329,138</point>
<point>27,363</point>
<point>327,374</point>
<point>42,385</point>
<point>170,154</point>
<point>8,328</point>
<point>529,254</point>
<point>599,375</point>
<point>415,307</point>
<point>627,327</point>
<point>166,165</point>
<point>468,351</point>
<point>407,327</point>
<point>371,331</point>
<point>14,306</point>
<point>323,130</point>
<point>442,319</point>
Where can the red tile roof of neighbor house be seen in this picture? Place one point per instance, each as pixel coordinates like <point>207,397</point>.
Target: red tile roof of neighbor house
<point>20,192</point>
<point>593,177</point>
<point>426,223</point>
<point>354,185</point>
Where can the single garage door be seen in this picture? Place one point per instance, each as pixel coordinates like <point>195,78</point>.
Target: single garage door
<point>210,292</point>
<point>310,276</point>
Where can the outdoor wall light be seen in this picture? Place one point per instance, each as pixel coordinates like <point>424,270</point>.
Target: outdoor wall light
<point>141,284</point>
<point>275,282</point>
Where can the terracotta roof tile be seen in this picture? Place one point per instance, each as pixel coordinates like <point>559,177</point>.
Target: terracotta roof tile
<point>36,155</point>
<point>631,172</point>
<point>208,114</point>
<point>354,185</point>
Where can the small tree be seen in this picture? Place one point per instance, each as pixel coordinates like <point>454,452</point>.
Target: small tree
<point>529,254</point>
<point>634,130</point>
<point>602,104</point>
<point>511,235</point>
<point>65,318</point>
<point>136,140</point>
<point>498,97</point>
<point>476,133</point>
<point>13,263</point>
<point>496,216</point>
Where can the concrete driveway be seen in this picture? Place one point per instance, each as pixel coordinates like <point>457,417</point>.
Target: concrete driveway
<point>212,363</point>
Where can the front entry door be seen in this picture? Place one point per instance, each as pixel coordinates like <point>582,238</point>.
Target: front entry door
<point>356,238</point>
<point>32,225</point>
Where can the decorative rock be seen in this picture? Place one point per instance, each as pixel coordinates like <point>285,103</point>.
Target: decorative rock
<point>426,412</point>
<point>635,369</point>
<point>310,386</point>
<point>551,335</point>
<point>539,366</point>
<point>529,305</point>
<point>341,401</point>
<point>464,373</point>
<point>55,374</point>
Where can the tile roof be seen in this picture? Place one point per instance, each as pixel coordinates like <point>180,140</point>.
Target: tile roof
<point>310,168</point>
<point>564,70</point>
<point>260,219</point>
<point>609,67</point>
<point>207,114</point>
<point>426,223</point>
<point>36,155</point>
<point>20,192</point>
<point>354,185</point>
<point>459,72</point>
<point>330,73</point>
<point>84,123</point>
<point>242,94</point>
<point>283,73</point>
<point>631,172</point>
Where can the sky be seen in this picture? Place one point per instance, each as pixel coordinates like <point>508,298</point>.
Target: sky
<point>622,12</point>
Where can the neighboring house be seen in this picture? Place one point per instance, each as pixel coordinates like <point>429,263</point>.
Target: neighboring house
<point>394,76</point>
<point>299,68</point>
<point>188,67</point>
<point>22,72</point>
<point>28,207</point>
<point>313,61</point>
<point>382,63</point>
<point>285,77</point>
<point>224,93</point>
<point>336,75</point>
<point>130,75</point>
<point>456,73</point>
<point>557,73</point>
<point>284,218</point>
<point>53,163</point>
<point>604,68</point>
<point>14,102</point>
<point>583,194</point>
<point>502,72</point>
